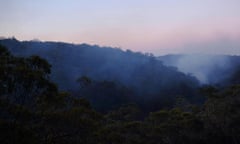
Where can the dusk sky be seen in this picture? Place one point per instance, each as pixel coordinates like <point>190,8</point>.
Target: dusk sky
<point>156,26</point>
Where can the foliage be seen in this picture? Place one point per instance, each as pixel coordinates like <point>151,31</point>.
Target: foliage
<point>114,76</point>
<point>34,111</point>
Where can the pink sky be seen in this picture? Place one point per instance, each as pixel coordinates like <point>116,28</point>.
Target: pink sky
<point>156,26</point>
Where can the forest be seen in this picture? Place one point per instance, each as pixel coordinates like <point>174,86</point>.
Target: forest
<point>59,93</point>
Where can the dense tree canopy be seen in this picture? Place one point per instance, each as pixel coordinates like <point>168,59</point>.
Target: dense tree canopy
<point>148,79</point>
<point>34,111</point>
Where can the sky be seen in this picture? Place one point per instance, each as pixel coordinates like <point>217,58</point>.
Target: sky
<point>156,26</point>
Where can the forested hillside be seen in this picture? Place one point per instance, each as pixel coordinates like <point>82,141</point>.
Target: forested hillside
<point>34,110</point>
<point>115,76</point>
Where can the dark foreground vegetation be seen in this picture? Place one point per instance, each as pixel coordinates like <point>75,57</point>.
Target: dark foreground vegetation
<point>34,110</point>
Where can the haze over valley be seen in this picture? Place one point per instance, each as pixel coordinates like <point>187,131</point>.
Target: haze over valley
<point>119,72</point>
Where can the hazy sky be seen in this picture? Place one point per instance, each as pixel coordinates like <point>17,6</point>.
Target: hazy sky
<point>157,26</point>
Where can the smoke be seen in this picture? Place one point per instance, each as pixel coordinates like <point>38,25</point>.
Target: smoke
<point>204,67</point>
<point>207,69</point>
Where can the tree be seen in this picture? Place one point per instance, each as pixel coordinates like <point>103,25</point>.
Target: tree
<point>32,110</point>
<point>222,116</point>
<point>25,81</point>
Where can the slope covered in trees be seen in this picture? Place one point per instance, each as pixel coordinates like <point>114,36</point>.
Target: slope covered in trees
<point>124,76</point>
<point>33,110</point>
